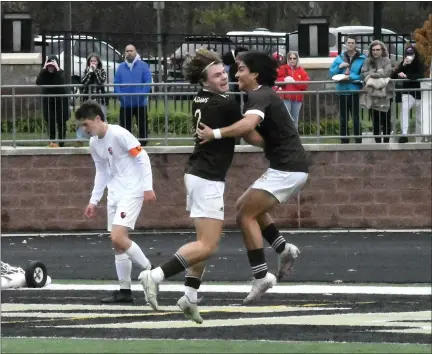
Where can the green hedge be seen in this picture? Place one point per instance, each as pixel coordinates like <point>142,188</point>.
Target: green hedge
<point>180,123</point>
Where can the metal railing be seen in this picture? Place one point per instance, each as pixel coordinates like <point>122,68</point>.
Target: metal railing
<point>24,121</point>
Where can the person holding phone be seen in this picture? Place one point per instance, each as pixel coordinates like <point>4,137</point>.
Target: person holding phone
<point>411,69</point>
<point>55,108</point>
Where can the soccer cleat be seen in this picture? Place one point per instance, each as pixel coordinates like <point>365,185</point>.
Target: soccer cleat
<point>118,297</point>
<point>150,288</point>
<point>259,287</point>
<point>286,260</point>
<point>189,309</point>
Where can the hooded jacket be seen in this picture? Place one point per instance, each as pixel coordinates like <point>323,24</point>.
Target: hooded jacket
<point>137,72</point>
<point>56,107</point>
<point>355,70</point>
<point>298,74</point>
<point>56,78</point>
<point>414,71</point>
<point>94,80</point>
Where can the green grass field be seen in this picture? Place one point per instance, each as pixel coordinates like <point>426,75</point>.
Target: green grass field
<point>24,345</point>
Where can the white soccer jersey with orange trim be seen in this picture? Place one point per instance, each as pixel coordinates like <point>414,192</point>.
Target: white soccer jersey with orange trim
<point>122,165</point>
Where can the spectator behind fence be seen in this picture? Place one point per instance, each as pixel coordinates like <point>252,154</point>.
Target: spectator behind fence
<point>230,60</point>
<point>411,68</point>
<point>290,73</point>
<point>133,71</point>
<point>55,109</point>
<point>93,81</point>
<point>349,63</point>
<point>376,72</point>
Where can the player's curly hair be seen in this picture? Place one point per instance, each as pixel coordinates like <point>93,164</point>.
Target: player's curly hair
<point>195,67</point>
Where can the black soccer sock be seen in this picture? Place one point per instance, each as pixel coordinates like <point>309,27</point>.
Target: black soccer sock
<point>274,238</point>
<point>175,265</point>
<point>258,263</point>
<point>193,282</point>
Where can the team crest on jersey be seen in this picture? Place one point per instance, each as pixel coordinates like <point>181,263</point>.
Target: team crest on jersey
<point>122,214</point>
<point>110,150</point>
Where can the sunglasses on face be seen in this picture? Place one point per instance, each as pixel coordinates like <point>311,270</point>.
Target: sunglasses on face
<point>292,58</point>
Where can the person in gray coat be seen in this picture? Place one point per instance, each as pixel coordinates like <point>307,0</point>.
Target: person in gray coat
<point>378,89</point>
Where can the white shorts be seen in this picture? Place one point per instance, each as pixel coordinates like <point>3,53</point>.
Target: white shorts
<point>125,212</point>
<point>204,198</point>
<point>281,184</point>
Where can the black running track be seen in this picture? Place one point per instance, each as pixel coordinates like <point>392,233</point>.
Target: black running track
<point>397,257</point>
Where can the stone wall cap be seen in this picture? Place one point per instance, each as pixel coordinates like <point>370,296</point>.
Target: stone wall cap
<point>30,150</point>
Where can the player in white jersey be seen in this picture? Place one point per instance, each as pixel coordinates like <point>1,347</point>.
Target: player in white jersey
<point>124,168</point>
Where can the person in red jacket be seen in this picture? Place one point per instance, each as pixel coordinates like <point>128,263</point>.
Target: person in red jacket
<point>290,73</point>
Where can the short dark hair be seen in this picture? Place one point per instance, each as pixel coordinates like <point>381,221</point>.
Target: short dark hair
<point>350,36</point>
<point>262,64</point>
<point>89,110</point>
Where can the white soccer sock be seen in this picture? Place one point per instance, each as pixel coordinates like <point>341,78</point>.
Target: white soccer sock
<point>137,256</point>
<point>157,275</point>
<point>124,270</point>
<point>192,294</point>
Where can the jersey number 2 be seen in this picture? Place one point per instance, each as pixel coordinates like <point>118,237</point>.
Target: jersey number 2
<point>197,115</point>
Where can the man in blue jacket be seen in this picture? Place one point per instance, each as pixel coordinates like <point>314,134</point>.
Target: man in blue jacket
<point>349,63</point>
<point>133,71</point>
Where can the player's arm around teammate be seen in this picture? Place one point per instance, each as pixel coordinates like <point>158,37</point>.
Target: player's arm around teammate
<point>124,167</point>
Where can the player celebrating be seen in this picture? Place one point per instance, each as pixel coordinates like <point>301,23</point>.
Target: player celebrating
<point>288,172</point>
<point>204,180</point>
<point>124,167</point>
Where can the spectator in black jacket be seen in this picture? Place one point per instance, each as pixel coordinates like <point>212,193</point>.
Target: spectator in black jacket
<point>230,60</point>
<point>55,109</point>
<point>412,68</point>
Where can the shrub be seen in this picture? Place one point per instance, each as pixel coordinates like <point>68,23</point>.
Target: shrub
<point>423,38</point>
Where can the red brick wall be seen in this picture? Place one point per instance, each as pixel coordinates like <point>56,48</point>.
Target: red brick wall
<point>346,189</point>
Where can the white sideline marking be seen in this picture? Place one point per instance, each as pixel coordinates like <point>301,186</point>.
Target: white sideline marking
<point>187,232</point>
<point>364,319</point>
<point>19,310</point>
<point>279,289</point>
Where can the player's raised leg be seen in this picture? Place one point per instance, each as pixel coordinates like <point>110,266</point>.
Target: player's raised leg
<point>209,233</point>
<point>255,204</point>
<point>287,252</point>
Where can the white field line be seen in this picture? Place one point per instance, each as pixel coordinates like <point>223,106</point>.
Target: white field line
<point>187,232</point>
<point>279,289</point>
<point>211,340</point>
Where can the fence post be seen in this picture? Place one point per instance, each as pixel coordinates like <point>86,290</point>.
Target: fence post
<point>13,118</point>
<point>339,42</point>
<point>166,112</point>
<point>43,48</point>
<point>164,56</point>
<point>317,101</point>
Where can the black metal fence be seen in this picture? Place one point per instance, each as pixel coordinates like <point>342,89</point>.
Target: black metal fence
<point>395,43</point>
<point>175,48</point>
